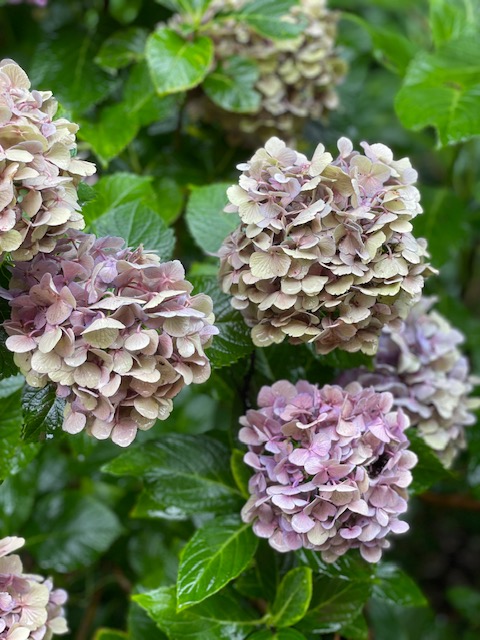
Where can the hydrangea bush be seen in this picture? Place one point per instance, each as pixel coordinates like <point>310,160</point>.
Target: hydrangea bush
<point>229,407</point>
<point>324,251</point>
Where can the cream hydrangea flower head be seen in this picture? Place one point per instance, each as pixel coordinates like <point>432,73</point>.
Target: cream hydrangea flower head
<point>324,251</point>
<point>420,363</point>
<point>30,609</point>
<point>116,330</point>
<point>297,76</point>
<point>38,168</point>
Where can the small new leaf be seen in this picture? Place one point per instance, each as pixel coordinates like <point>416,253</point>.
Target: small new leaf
<point>293,598</point>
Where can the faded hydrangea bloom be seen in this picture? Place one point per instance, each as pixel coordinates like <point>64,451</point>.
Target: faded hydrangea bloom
<point>331,468</point>
<point>297,76</point>
<point>420,364</point>
<point>38,169</point>
<point>30,609</point>
<point>324,251</point>
<point>116,330</point>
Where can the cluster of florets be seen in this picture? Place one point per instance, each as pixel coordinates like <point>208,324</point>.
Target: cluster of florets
<point>421,365</point>
<point>30,609</point>
<point>297,76</point>
<point>324,252</point>
<point>38,168</point>
<point>331,468</point>
<point>116,330</point>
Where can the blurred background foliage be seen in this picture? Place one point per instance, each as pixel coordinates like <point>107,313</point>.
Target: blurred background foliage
<point>414,84</point>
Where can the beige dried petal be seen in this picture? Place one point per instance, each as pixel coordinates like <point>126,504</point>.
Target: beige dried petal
<point>269,265</point>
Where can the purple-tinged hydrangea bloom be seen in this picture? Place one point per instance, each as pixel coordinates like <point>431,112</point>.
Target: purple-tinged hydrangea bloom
<point>331,468</point>
<point>30,609</point>
<point>38,168</point>
<point>324,252</point>
<point>420,364</point>
<point>116,330</point>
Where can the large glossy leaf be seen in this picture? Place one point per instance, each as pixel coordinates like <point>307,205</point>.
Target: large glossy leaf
<point>335,602</point>
<point>293,598</point>
<point>241,472</point>
<point>17,496</point>
<point>280,634</point>
<point>233,342</point>
<point>64,66</point>
<point>138,225</point>
<point>442,89</point>
<point>176,64</point>
<point>7,366</point>
<point>394,585</point>
<point>232,85</point>
<point>71,531</point>
<point>222,617</point>
<point>428,469</point>
<point>42,411</point>
<point>216,554</point>
<point>207,222</point>
<point>184,474</point>
<point>267,17</point>
<point>452,19</point>
<point>122,48</point>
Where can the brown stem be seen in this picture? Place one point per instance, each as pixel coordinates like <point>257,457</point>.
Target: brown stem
<point>88,618</point>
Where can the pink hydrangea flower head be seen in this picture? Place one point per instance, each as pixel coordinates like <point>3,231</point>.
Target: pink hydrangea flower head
<point>420,363</point>
<point>324,251</point>
<point>331,468</point>
<point>116,330</point>
<point>38,168</point>
<point>30,608</point>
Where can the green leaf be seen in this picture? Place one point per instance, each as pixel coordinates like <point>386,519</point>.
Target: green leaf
<point>335,602</point>
<point>42,411</point>
<point>115,190</point>
<point>110,634</point>
<point>395,586</point>
<point>267,17</point>
<point>241,472</point>
<point>138,224</point>
<point>452,19</point>
<point>216,554</point>
<point>112,131</point>
<point>17,496</point>
<point>193,8</point>
<point>428,469</point>
<point>64,66</point>
<point>141,626</point>
<point>281,634</point>
<point>7,366</point>
<point>176,64</point>
<point>391,49</point>
<point>351,566</point>
<point>443,90</point>
<point>178,478</point>
<point>467,602</point>
<point>125,11</point>
<point>221,617</point>
<point>122,48</point>
<point>232,85</point>
<point>293,598</point>
<point>15,454</point>
<point>233,342</point>
<point>357,629</point>
<point>73,530</point>
<point>206,220</point>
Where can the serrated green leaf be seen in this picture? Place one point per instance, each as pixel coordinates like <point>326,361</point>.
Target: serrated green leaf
<point>221,617</point>
<point>292,599</point>
<point>241,472</point>
<point>351,566</point>
<point>206,220</point>
<point>233,342</point>
<point>176,64</point>
<point>267,17</point>
<point>232,85</point>
<point>142,102</point>
<point>64,66</point>
<point>42,411</point>
<point>280,634</point>
<point>178,478</point>
<point>216,554</point>
<point>335,602</point>
<point>71,531</point>
<point>442,89</point>
<point>428,469</point>
<point>452,19</point>
<point>394,585</point>
<point>141,626</point>
<point>122,48</point>
<point>138,225</point>
<point>115,190</point>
